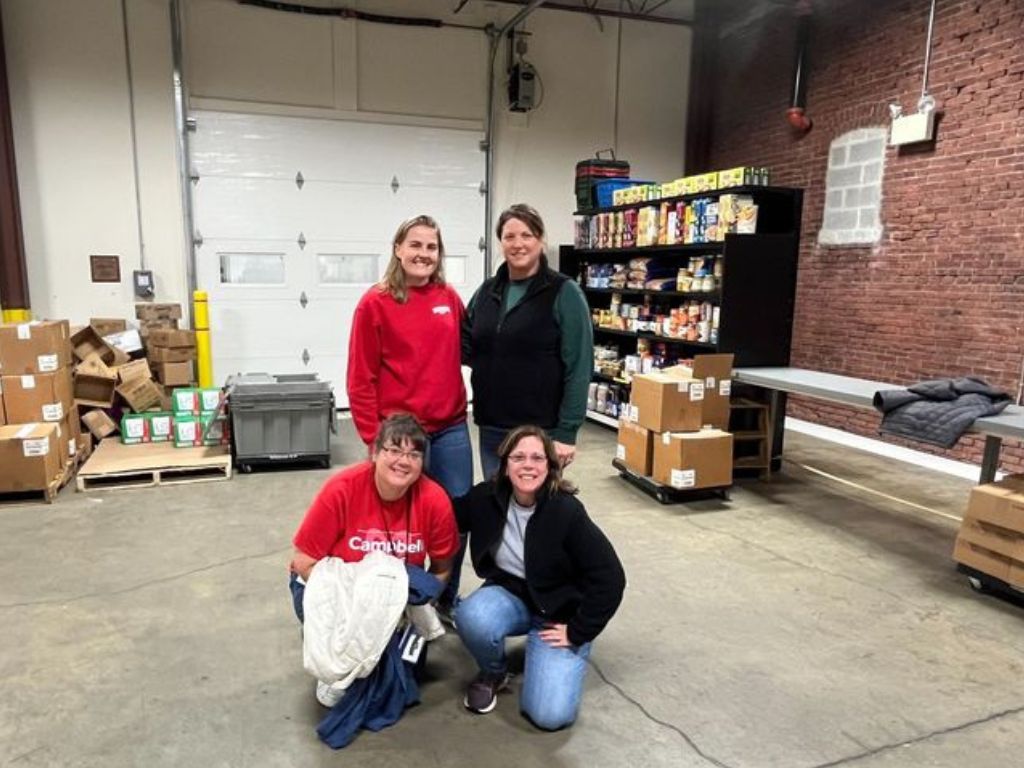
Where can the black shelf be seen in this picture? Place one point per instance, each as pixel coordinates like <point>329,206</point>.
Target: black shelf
<point>644,250</point>
<point>707,295</point>
<point>608,379</point>
<point>747,190</point>
<point>654,336</point>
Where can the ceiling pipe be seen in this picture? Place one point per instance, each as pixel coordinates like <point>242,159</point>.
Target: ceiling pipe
<point>608,13</point>
<point>796,115</point>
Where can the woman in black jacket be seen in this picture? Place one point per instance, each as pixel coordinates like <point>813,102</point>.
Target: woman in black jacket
<point>549,573</point>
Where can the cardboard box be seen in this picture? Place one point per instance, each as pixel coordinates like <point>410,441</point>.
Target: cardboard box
<point>195,400</point>
<point>104,326</point>
<point>95,389</point>
<point>665,402</point>
<point>154,311</point>
<point>29,457</point>
<point>86,341</point>
<point>37,397</point>
<point>1000,503</point>
<point>134,428</point>
<point>127,342</point>
<point>40,347</point>
<point>140,394</point>
<point>981,559</point>
<point>67,436</point>
<point>3,413</point>
<point>175,374</point>
<point>85,445</point>
<point>716,373</point>
<point>692,460</point>
<point>136,369</point>
<point>993,538</point>
<point>99,424</point>
<point>170,354</point>
<point>94,365</point>
<point>168,337</point>
<point>635,448</point>
<point>200,429</point>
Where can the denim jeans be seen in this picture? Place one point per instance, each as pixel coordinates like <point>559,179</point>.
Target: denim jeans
<point>298,590</point>
<point>490,441</point>
<point>553,677</point>
<point>449,461</point>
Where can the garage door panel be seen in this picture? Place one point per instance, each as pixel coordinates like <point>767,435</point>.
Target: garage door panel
<point>343,211</point>
<point>242,207</point>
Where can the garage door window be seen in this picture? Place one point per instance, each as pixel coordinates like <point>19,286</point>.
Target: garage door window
<point>252,268</point>
<point>347,268</point>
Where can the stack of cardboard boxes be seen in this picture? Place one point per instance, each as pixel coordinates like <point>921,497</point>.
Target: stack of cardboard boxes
<point>674,429</point>
<point>991,538</point>
<point>199,418</point>
<point>40,436</point>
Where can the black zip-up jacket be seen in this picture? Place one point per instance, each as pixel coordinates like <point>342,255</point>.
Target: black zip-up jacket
<point>573,575</point>
<point>518,375</point>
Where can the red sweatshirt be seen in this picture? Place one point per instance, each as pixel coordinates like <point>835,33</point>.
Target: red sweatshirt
<point>406,357</point>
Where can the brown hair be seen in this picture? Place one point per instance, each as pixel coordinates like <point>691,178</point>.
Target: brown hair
<point>399,428</point>
<point>524,213</point>
<point>555,482</point>
<point>393,281</point>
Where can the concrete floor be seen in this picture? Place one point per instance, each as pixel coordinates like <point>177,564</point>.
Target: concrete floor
<point>805,622</point>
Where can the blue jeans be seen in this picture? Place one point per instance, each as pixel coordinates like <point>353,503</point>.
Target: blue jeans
<point>449,461</point>
<point>490,440</point>
<point>553,677</point>
<point>298,590</point>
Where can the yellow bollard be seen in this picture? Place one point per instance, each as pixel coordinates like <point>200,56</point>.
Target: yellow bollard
<point>201,325</point>
<point>17,315</point>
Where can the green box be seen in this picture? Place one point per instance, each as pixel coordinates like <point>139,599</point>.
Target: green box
<point>195,400</point>
<point>134,428</point>
<point>216,431</point>
<point>187,430</point>
<point>161,426</point>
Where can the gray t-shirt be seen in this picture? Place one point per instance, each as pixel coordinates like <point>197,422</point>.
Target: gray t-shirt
<point>509,556</point>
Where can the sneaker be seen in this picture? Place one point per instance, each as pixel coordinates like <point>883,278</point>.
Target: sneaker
<point>482,693</point>
<point>327,694</point>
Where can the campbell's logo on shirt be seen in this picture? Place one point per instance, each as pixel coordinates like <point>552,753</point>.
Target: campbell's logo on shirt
<point>376,540</point>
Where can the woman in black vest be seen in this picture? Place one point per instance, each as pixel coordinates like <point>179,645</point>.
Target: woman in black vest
<point>528,337</point>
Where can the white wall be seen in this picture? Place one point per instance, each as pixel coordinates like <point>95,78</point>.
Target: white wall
<point>69,91</point>
<point>71,119</point>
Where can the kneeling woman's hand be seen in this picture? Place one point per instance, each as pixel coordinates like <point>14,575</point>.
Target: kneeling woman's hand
<point>555,635</point>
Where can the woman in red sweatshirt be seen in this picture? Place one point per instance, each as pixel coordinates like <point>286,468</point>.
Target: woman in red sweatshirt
<point>404,355</point>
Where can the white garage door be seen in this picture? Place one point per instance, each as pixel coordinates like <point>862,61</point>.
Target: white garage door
<point>294,218</point>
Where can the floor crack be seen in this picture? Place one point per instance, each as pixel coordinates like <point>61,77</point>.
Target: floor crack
<point>144,584</point>
<point>643,710</point>
<point>925,737</point>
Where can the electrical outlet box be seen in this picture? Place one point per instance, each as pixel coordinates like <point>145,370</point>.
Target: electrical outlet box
<point>911,129</point>
<point>142,279</point>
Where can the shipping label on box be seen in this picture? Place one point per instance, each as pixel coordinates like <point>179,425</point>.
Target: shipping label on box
<point>29,457</point>
<point>37,347</point>
<point>134,428</point>
<point>188,430</point>
<point>37,397</point>
<point>693,459</point>
<point>126,341</point>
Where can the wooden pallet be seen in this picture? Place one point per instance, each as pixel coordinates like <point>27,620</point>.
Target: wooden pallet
<point>113,465</point>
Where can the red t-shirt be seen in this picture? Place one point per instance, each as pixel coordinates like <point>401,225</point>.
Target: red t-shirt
<point>348,519</point>
<point>406,357</point>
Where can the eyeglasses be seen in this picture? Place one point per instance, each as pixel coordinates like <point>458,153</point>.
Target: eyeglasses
<point>395,453</point>
<point>522,458</point>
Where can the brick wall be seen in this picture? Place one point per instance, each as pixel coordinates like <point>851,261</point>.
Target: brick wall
<point>942,293</point>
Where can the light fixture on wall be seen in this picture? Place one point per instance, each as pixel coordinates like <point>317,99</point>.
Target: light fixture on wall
<point>920,126</point>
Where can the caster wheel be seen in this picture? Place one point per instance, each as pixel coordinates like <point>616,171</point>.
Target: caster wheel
<point>245,468</point>
<point>325,463</point>
<point>977,584</point>
<point>662,497</point>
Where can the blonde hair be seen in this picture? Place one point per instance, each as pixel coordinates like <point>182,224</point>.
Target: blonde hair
<point>393,281</point>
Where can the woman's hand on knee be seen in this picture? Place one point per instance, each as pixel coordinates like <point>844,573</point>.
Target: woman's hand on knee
<point>555,635</point>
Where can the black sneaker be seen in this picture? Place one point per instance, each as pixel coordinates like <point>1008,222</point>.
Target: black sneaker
<point>482,693</point>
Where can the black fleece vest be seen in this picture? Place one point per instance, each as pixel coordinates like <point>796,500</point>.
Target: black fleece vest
<point>518,373</point>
